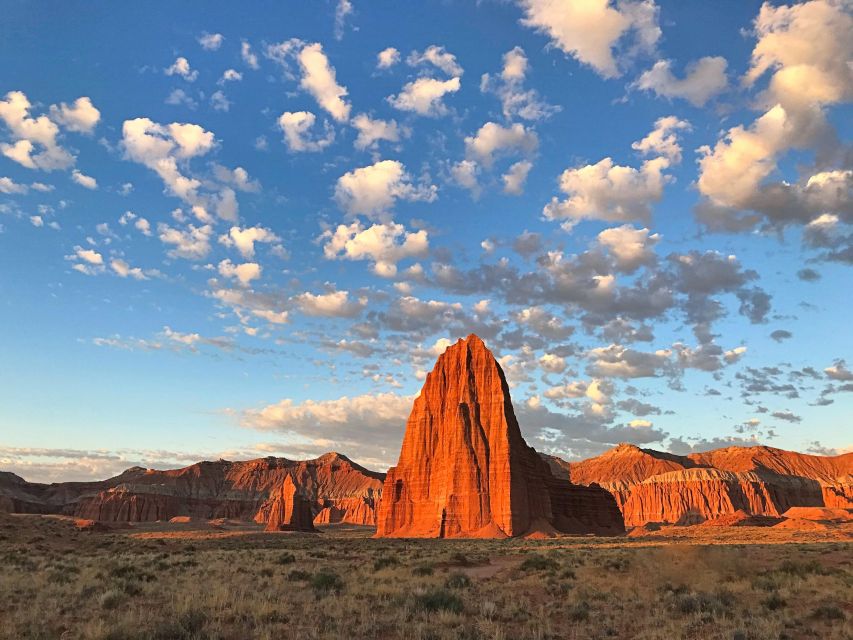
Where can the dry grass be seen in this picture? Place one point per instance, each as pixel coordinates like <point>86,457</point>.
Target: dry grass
<point>172,583</point>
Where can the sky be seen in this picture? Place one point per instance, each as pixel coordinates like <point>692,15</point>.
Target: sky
<point>235,231</point>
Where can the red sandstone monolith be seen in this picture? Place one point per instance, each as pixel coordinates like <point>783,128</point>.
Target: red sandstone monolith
<point>289,510</point>
<point>466,471</point>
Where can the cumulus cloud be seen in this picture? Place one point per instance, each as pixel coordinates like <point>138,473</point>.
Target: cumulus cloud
<point>211,41</point>
<point>464,173</point>
<point>181,67</point>
<point>343,10</point>
<point>616,193</point>
<point>703,79</point>
<point>438,57</point>
<point>387,58</point>
<point>122,269</point>
<point>516,176</point>
<point>384,245</point>
<point>9,186</point>
<point>509,88</point>
<point>34,140</point>
<point>83,180</point>
<point>334,304</point>
<point>244,239</point>
<point>372,131</point>
<point>591,31</point>
<point>804,49</point>
<point>839,371</point>
<point>629,247</point>
<point>248,56</point>
<point>372,190</point>
<point>244,273</point>
<point>425,96</point>
<point>494,139</point>
<point>318,79</point>
<point>297,129</point>
<point>369,425</point>
<point>192,243</point>
<point>81,116</point>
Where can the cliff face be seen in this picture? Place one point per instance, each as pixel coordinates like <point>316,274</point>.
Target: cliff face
<point>205,490</point>
<point>652,486</point>
<point>289,510</point>
<point>466,471</point>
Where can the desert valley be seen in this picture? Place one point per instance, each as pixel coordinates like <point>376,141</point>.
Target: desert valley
<point>742,542</point>
<point>433,320</point>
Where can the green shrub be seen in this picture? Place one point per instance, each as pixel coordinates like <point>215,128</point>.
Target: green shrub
<point>384,562</point>
<point>439,600</point>
<point>325,582</point>
<point>538,562</point>
<point>457,580</point>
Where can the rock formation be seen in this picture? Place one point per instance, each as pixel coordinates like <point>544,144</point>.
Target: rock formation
<point>466,471</point>
<point>652,486</point>
<point>204,491</point>
<point>289,510</point>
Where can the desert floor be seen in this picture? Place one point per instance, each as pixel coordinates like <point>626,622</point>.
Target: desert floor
<point>196,580</point>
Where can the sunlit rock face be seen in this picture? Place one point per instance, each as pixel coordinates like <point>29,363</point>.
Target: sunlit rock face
<point>466,471</point>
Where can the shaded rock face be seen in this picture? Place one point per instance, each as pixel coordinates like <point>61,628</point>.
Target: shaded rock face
<point>466,471</point>
<point>289,510</point>
<point>206,490</point>
<point>652,486</point>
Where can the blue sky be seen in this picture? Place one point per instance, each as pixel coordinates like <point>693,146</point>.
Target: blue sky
<point>248,231</point>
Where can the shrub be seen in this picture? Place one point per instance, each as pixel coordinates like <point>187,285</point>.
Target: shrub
<point>297,575</point>
<point>325,582</point>
<point>773,602</point>
<point>578,611</point>
<point>828,612</point>
<point>111,598</point>
<point>458,580</point>
<point>439,600</point>
<point>423,569</point>
<point>384,562</point>
<point>537,562</point>
<point>285,558</point>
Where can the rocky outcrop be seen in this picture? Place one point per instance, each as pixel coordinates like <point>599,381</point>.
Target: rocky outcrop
<point>204,491</point>
<point>289,510</point>
<point>465,470</point>
<point>653,486</point>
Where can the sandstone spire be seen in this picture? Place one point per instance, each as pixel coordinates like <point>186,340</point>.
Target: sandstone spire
<point>466,471</point>
<point>289,510</point>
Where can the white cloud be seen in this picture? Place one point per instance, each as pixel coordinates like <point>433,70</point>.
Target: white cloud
<point>7,185</point>
<point>552,363</point>
<point>615,193</point>
<point>493,139</point>
<point>703,79</point>
<point>318,79</point>
<point>515,178</point>
<point>373,190</point>
<point>629,247</point>
<point>371,131</point>
<point>245,272</point>
<point>370,426</point>
<point>180,97</point>
<point>244,239</point>
<point>211,41</point>
<point>219,101</point>
<point>124,270</point>
<point>591,30</point>
<point>297,131</point>
<point>81,116</point>
<point>516,101</point>
<point>382,244</point>
<point>192,243</point>
<point>181,67</point>
<point>89,255</point>
<point>839,371</point>
<point>621,362</point>
<point>425,96</point>
<point>29,134</point>
<point>465,174</point>
<point>342,11</point>
<point>230,75</point>
<point>83,180</point>
<point>249,57</point>
<point>387,58</point>
<point>438,57</point>
<point>663,139</point>
<point>604,191</point>
<point>335,304</point>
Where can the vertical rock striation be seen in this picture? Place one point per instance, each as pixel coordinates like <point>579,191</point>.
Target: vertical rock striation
<point>466,471</point>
